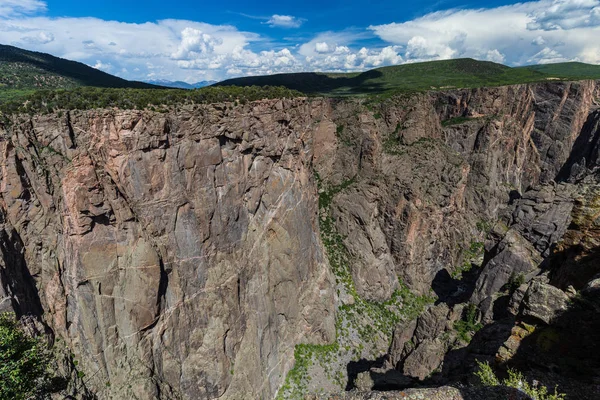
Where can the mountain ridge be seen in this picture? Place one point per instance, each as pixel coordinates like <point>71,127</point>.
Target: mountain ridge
<point>29,70</point>
<point>444,74</point>
<point>180,84</point>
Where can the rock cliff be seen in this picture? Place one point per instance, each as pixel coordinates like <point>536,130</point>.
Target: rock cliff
<point>186,254</point>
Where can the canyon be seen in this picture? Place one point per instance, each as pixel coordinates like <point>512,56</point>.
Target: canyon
<point>309,245</point>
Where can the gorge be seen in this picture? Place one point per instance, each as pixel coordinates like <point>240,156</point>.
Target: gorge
<point>286,247</point>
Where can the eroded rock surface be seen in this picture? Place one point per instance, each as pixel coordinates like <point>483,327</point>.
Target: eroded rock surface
<point>179,255</point>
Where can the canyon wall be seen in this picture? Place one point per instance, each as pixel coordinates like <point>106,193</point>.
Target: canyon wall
<point>185,254</point>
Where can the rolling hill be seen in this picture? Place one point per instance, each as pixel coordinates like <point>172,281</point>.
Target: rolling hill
<point>568,70</point>
<point>457,73</point>
<point>25,70</point>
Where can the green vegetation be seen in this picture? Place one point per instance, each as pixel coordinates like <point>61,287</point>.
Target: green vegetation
<point>484,226</point>
<point>23,362</point>
<point>86,98</point>
<point>471,256</point>
<point>361,319</point>
<point>516,380</point>
<point>25,70</point>
<point>458,73</point>
<point>468,326</point>
<point>515,281</point>
<point>343,138</point>
<point>456,121</point>
<point>568,70</point>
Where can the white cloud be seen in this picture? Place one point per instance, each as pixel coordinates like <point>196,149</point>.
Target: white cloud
<point>343,59</point>
<point>538,41</point>
<point>510,33</point>
<point>420,48</point>
<point>39,38</point>
<point>284,21</point>
<point>547,56</point>
<point>195,43</point>
<point>495,56</point>
<point>322,47</point>
<point>533,32</point>
<point>11,8</point>
<point>102,66</point>
<point>175,48</point>
<point>566,14</point>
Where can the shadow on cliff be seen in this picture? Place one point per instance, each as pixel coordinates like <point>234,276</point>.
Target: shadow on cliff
<point>564,353</point>
<point>382,380</point>
<point>16,278</point>
<point>574,266</point>
<point>584,153</point>
<point>452,291</point>
<point>567,352</point>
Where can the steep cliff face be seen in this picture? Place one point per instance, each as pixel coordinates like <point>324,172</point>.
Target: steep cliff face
<point>186,254</point>
<point>178,255</point>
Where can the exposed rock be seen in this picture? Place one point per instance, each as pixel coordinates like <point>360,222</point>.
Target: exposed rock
<point>364,382</point>
<point>402,334</point>
<point>422,361</point>
<point>441,393</point>
<point>432,323</point>
<point>544,302</point>
<point>514,255</point>
<point>179,255</point>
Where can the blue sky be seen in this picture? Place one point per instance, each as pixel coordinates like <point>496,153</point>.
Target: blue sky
<point>214,40</point>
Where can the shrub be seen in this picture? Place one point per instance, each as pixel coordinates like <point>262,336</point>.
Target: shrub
<point>516,380</point>
<point>87,98</point>
<point>23,361</point>
<point>468,325</point>
<point>486,375</point>
<point>515,281</point>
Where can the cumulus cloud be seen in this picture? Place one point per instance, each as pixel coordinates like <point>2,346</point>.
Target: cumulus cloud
<point>38,38</point>
<point>180,48</point>
<point>566,14</point>
<point>539,31</point>
<point>322,47</point>
<point>547,56</point>
<point>102,66</point>
<point>512,33</point>
<point>284,21</point>
<point>195,43</point>
<point>538,41</point>
<point>11,8</point>
<point>343,59</point>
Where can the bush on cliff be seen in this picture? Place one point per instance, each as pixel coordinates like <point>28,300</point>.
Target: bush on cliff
<point>86,98</point>
<point>516,380</point>
<point>23,362</point>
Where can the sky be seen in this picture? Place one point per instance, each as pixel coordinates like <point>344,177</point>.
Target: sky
<point>214,40</point>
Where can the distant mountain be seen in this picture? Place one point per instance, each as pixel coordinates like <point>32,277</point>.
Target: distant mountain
<point>27,70</point>
<point>568,70</point>
<point>180,84</point>
<point>457,73</point>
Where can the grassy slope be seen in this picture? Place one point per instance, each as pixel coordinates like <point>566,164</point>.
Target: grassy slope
<point>420,76</point>
<point>568,70</point>
<point>22,72</point>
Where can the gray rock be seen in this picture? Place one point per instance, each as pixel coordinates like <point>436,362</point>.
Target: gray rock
<point>425,359</point>
<point>544,302</point>
<point>179,254</point>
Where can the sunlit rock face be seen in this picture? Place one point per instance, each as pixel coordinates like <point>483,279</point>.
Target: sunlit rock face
<point>179,254</point>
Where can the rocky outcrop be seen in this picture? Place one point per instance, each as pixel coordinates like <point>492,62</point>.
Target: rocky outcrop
<point>179,254</point>
<point>442,393</point>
